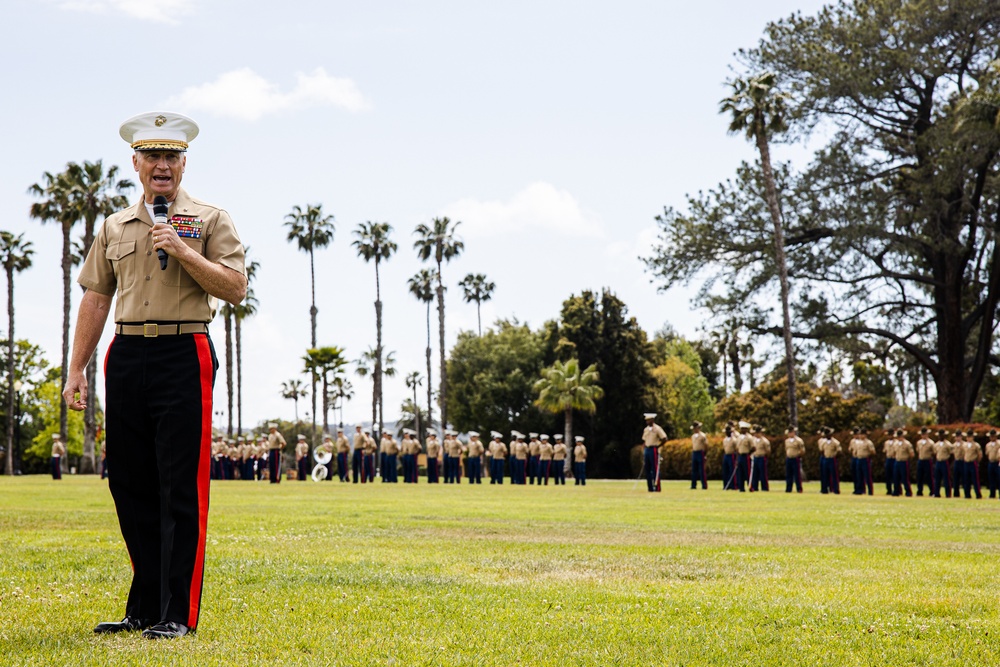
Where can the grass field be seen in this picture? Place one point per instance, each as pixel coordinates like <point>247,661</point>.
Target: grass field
<point>331,574</point>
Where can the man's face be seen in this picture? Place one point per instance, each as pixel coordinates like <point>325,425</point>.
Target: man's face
<point>159,172</point>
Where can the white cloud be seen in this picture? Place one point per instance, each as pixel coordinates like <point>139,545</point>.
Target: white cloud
<point>245,95</point>
<point>161,11</point>
<point>540,206</point>
<point>641,245</point>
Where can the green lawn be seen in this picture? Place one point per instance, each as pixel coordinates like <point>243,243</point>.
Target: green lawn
<point>332,574</point>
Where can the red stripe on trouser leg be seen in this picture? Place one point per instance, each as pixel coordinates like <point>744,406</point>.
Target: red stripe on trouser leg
<point>204,456</point>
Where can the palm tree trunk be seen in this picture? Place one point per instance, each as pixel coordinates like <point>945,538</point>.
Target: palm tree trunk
<point>479,317</point>
<point>378,352</point>
<point>88,464</point>
<point>416,407</point>
<point>771,194</point>
<point>10,371</point>
<point>326,404</point>
<point>312,321</point>
<point>568,439</point>
<point>430,383</point>
<point>443,393</point>
<point>228,319</point>
<point>239,374</point>
<point>64,371</point>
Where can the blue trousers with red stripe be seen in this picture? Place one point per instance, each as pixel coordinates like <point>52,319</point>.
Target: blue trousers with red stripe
<point>698,469</point>
<point>159,430</point>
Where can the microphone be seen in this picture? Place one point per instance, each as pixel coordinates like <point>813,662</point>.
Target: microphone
<point>160,217</point>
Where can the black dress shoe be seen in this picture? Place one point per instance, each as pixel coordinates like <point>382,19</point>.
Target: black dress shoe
<point>127,624</point>
<point>165,630</point>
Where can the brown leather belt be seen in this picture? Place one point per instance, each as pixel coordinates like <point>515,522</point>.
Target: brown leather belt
<point>153,330</point>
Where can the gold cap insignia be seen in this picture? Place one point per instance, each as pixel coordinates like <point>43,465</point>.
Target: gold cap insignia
<point>160,120</point>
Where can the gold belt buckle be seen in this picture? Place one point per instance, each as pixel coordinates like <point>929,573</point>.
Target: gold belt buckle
<point>150,330</point>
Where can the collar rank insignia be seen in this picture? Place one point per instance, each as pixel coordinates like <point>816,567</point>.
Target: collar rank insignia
<point>187,226</point>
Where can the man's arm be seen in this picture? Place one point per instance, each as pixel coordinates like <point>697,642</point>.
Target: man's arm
<point>93,313</point>
<point>220,281</point>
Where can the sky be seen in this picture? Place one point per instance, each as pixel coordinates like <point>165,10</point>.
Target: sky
<point>555,132</point>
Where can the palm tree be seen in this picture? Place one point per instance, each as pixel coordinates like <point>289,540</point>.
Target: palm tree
<point>364,367</point>
<point>293,389</point>
<point>81,192</point>
<point>228,312</point>
<point>564,388</point>
<point>373,243</point>
<point>422,287</point>
<point>93,193</point>
<point>438,240</point>
<point>323,361</point>
<point>477,289</point>
<point>311,230</point>
<point>342,391</point>
<point>15,255</point>
<point>247,308</point>
<point>758,109</point>
<point>413,380</point>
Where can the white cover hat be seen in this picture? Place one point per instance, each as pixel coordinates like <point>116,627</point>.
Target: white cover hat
<point>473,434</point>
<point>159,130</point>
<point>578,438</point>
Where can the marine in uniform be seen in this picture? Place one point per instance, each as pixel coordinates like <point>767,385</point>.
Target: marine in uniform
<point>559,453</point>
<point>761,450</point>
<point>368,458</point>
<point>328,447</point>
<point>475,458</point>
<point>534,446</point>
<point>925,454</point>
<point>455,449</point>
<point>864,450</point>
<point>579,462</point>
<point>275,447</point>
<point>729,458</point>
<point>544,459</point>
<point>55,459</point>
<point>942,473</point>
<point>699,447</point>
<point>958,465</point>
<point>159,370</point>
<point>301,457</point>
<point>433,458</point>
<point>794,449</point>
<point>519,460</point>
<point>357,456</point>
<point>889,448</point>
<point>993,457</point>
<point>972,454</point>
<point>829,449</point>
<point>653,437</point>
<point>343,451</point>
<point>744,444</point>
<point>901,476</point>
<point>498,452</point>
<point>390,473</point>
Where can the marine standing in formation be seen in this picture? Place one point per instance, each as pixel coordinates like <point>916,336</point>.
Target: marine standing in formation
<point>653,437</point>
<point>55,459</point>
<point>729,458</point>
<point>301,457</point>
<point>925,454</point>
<point>498,452</point>
<point>863,450</point>
<point>343,451</point>
<point>559,454</point>
<point>993,457</point>
<point>167,274</point>
<point>699,445</point>
<point>534,447</point>
<point>579,462</point>
<point>942,472</point>
<point>475,460</point>
<point>744,444</point>
<point>433,458</point>
<point>761,450</point>
<point>795,447</point>
<point>275,445</point>
<point>544,459</point>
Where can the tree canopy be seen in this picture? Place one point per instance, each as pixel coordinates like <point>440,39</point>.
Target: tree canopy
<point>890,230</point>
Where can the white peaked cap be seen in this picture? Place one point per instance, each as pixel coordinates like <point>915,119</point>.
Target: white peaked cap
<point>496,434</point>
<point>300,436</point>
<point>156,130</point>
<point>649,415</point>
<point>473,434</point>
<point>578,438</point>
<point>543,436</point>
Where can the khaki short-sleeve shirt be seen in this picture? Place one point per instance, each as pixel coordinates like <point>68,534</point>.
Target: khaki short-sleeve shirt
<point>122,262</point>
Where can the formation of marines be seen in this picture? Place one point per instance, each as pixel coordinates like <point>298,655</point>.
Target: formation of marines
<point>944,461</point>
